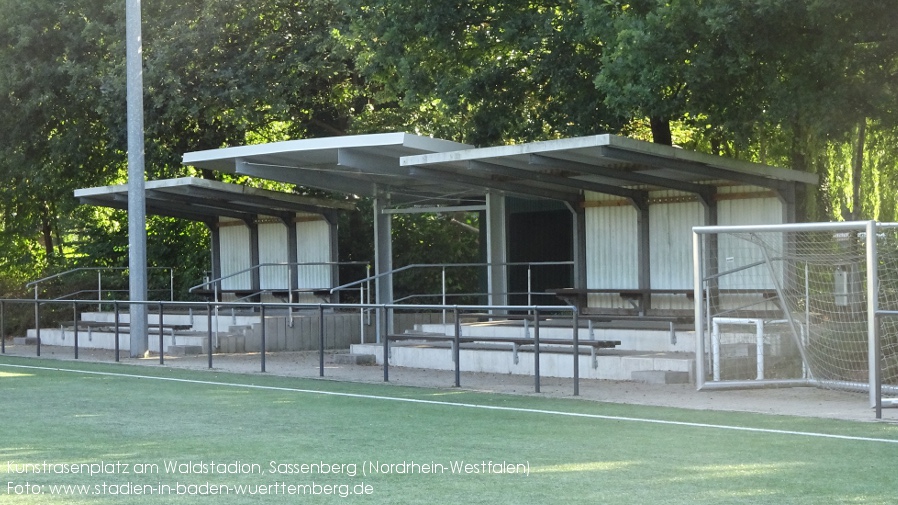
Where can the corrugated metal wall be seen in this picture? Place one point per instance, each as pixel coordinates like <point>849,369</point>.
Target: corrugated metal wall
<point>611,252</point>
<point>313,245</point>
<point>670,240</point>
<point>611,240</point>
<point>235,254</point>
<point>273,249</point>
<point>734,252</point>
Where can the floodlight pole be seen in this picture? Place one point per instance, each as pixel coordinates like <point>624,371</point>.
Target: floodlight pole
<point>137,217</point>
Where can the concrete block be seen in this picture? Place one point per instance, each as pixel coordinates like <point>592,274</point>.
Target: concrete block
<point>661,377</point>
<point>355,359</point>
<point>24,341</point>
<point>184,350</point>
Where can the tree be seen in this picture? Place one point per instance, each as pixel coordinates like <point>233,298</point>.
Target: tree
<point>771,79</point>
<point>483,72</point>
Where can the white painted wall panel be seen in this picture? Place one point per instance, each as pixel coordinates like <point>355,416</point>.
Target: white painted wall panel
<point>611,252</point>
<point>670,240</point>
<point>235,254</point>
<point>273,249</point>
<point>313,245</point>
<point>735,252</point>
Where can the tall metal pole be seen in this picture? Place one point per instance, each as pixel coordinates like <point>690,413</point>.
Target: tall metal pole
<point>137,231</point>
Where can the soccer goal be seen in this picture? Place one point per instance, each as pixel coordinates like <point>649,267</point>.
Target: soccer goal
<point>800,304</point>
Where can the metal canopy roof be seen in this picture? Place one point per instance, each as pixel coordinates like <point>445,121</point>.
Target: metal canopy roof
<point>415,169</point>
<point>205,200</point>
<point>358,164</point>
<point>608,164</point>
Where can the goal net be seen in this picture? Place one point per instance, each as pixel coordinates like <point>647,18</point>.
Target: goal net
<point>797,304</point>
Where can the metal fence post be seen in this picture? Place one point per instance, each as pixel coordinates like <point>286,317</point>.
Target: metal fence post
<point>2,329</point>
<point>161,337</point>
<point>209,330</point>
<point>320,340</point>
<point>75,315</point>
<point>262,317</point>
<point>576,317</point>
<point>37,323</point>
<point>536,347</point>
<point>385,338</point>
<point>456,350</point>
<point>116,316</point>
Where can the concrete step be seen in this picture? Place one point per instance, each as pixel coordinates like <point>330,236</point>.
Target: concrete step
<point>24,340</point>
<point>184,350</point>
<point>605,364</point>
<point>660,377</point>
<point>355,359</point>
<point>232,343</point>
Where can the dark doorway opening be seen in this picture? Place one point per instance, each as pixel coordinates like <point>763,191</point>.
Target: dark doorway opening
<point>533,237</point>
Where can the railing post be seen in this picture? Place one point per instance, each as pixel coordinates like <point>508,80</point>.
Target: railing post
<point>456,348</point>
<point>444,292</point>
<point>2,329</point>
<point>536,347</point>
<point>161,337</point>
<point>75,315</point>
<point>209,330</point>
<point>116,316</point>
<point>262,317</point>
<point>37,321</point>
<point>576,318</point>
<point>385,340</point>
<point>320,340</point>
<point>361,314</point>
<point>529,284</point>
<point>99,290</point>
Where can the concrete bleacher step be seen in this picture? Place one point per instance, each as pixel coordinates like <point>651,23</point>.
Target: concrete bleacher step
<point>355,359</point>
<point>660,377</point>
<point>232,343</point>
<point>184,350</point>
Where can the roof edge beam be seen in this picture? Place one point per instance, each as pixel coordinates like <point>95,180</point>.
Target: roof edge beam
<point>696,168</point>
<point>597,187</point>
<point>705,193</point>
<point>507,187</point>
<point>436,209</point>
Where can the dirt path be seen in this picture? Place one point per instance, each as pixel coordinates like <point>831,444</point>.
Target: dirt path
<point>806,402</point>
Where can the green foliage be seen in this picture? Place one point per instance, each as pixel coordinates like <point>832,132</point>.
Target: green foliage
<point>805,85</point>
<point>484,72</point>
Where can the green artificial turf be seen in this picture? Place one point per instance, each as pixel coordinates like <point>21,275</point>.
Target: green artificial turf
<point>614,454</point>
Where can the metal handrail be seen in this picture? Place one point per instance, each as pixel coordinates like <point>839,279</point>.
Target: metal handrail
<point>384,312</point>
<point>36,283</point>
<point>216,282</point>
<point>443,266</point>
<point>431,265</point>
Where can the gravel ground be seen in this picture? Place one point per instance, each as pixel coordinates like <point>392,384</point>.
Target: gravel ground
<point>804,401</point>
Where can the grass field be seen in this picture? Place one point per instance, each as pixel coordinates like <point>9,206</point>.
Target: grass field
<point>402,445</point>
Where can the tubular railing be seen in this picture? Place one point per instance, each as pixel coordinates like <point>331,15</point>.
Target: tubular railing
<point>534,313</point>
<point>444,293</point>
<point>36,284</point>
<point>293,273</point>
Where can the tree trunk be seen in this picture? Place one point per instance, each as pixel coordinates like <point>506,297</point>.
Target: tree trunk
<point>857,167</point>
<point>47,231</point>
<point>661,131</point>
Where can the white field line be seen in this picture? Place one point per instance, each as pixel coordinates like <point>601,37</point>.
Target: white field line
<point>471,405</point>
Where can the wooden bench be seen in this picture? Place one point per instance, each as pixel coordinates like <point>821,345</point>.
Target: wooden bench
<point>125,327</point>
<point>636,297</point>
<point>545,344</point>
<point>282,294</point>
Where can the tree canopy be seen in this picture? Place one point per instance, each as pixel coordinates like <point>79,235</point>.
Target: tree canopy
<point>806,84</point>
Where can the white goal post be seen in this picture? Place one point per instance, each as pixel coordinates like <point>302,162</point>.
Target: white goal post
<point>798,304</point>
